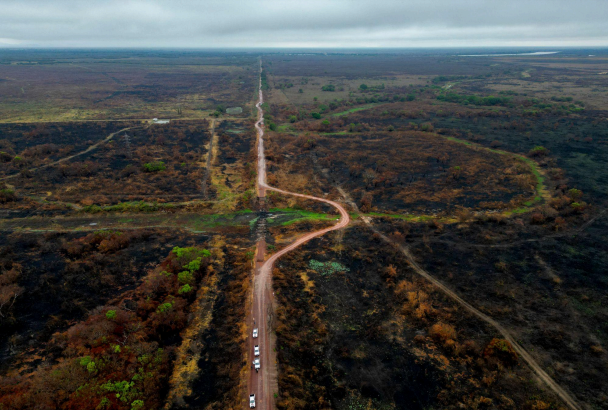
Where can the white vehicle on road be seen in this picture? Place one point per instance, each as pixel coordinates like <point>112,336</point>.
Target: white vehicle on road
<point>256,364</point>
<point>252,401</point>
<point>256,350</point>
<point>255,332</point>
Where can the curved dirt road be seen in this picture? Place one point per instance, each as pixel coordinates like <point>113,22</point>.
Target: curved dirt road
<point>264,384</point>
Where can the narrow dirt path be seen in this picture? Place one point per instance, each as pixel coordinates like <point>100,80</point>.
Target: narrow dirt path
<point>205,188</point>
<point>264,384</point>
<point>89,149</point>
<point>521,351</point>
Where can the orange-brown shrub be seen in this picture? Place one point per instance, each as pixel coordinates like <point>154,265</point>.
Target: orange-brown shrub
<point>442,332</point>
<point>501,350</point>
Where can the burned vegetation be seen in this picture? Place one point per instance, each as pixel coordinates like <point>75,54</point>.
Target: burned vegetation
<point>495,187</point>
<point>489,174</point>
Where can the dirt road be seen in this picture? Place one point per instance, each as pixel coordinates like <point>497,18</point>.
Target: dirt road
<point>569,400</point>
<point>89,149</point>
<point>264,383</point>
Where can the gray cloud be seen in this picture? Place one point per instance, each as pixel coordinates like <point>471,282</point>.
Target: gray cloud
<point>309,23</point>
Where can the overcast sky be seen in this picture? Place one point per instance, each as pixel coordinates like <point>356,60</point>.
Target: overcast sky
<point>303,23</point>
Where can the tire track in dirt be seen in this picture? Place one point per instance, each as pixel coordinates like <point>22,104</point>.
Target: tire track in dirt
<point>264,384</point>
<point>205,188</point>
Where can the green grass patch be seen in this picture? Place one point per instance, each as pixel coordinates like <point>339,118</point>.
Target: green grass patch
<point>285,128</point>
<point>327,268</point>
<point>310,216</point>
<point>354,109</point>
<point>540,180</point>
<point>137,206</point>
<point>337,133</point>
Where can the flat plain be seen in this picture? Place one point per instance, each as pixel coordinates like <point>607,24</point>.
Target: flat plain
<point>127,248</point>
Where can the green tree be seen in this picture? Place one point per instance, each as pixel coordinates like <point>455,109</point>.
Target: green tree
<point>315,115</point>
<point>363,87</point>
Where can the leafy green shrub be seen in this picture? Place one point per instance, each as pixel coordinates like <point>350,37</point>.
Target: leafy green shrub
<point>89,363</point>
<point>137,405</point>
<point>315,115</point>
<point>293,118</point>
<point>185,289</point>
<point>155,166</point>
<point>111,314</point>
<point>329,87</point>
<point>164,307</point>
<point>193,265</point>
<point>185,277</point>
<point>121,388</point>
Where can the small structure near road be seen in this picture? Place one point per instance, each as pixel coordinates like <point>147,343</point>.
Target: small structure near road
<point>157,121</point>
